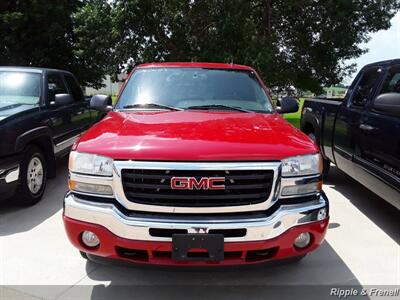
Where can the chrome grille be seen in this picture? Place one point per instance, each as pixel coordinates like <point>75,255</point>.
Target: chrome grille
<point>153,187</point>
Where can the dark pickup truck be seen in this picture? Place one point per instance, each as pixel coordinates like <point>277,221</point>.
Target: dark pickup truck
<point>42,113</point>
<point>361,134</point>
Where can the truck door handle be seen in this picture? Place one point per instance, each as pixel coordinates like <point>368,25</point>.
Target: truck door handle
<point>366,127</point>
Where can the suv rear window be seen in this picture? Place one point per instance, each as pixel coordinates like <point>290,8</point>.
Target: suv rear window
<point>186,87</point>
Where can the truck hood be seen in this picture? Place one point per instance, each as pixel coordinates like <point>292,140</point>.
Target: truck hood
<point>195,136</point>
<point>8,110</point>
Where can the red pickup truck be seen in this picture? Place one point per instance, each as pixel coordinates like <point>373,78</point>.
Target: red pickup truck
<point>194,166</point>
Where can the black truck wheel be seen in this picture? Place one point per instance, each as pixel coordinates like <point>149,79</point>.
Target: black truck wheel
<point>326,163</point>
<point>33,177</point>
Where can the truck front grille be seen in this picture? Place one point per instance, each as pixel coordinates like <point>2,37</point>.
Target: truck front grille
<point>153,187</point>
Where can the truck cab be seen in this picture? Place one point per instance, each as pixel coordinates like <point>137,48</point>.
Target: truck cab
<point>359,134</point>
<point>42,113</point>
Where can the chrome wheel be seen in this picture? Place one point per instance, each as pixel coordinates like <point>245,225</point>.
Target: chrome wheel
<point>35,175</point>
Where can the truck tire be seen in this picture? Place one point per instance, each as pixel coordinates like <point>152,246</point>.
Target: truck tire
<point>33,177</point>
<point>326,163</point>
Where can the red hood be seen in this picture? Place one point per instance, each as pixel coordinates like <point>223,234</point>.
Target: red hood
<point>195,136</point>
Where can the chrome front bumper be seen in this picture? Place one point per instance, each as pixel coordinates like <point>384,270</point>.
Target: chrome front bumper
<point>138,227</point>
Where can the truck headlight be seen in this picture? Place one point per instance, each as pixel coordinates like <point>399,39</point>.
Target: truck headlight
<point>90,164</point>
<point>302,189</point>
<point>302,165</point>
<point>91,188</point>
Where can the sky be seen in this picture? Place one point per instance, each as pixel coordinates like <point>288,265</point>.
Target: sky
<point>384,44</point>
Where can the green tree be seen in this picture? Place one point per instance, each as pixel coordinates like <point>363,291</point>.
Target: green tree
<point>95,39</point>
<point>301,43</point>
<point>41,33</point>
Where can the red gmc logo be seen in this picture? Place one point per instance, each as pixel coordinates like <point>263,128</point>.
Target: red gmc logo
<point>205,183</point>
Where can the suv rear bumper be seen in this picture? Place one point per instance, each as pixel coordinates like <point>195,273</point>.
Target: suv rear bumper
<point>129,237</point>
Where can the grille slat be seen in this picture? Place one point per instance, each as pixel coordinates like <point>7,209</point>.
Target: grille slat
<point>227,176</point>
<point>167,187</point>
<point>195,197</point>
<point>153,187</point>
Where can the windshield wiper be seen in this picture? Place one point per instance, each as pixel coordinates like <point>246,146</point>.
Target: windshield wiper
<point>218,107</point>
<point>150,105</point>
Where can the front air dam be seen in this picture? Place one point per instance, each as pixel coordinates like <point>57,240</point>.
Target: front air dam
<point>160,253</point>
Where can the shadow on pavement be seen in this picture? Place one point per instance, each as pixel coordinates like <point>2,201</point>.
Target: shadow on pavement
<point>384,215</point>
<point>19,219</point>
<point>319,272</point>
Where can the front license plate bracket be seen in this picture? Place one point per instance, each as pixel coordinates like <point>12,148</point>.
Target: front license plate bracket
<point>183,243</point>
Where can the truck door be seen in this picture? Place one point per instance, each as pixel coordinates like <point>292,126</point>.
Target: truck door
<point>59,117</point>
<point>379,146</point>
<point>348,126</point>
<point>81,118</point>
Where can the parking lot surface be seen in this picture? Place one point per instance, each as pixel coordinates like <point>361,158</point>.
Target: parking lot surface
<point>361,248</point>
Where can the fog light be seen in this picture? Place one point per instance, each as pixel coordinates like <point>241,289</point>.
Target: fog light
<point>302,240</point>
<point>321,214</point>
<point>90,239</point>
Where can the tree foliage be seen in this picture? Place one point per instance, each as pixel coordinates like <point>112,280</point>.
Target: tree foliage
<point>302,43</point>
<point>95,39</point>
<point>41,33</point>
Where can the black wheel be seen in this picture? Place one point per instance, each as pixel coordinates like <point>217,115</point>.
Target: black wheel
<point>33,177</point>
<point>83,254</point>
<point>326,163</point>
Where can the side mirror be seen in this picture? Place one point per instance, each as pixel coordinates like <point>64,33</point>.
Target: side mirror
<point>287,105</point>
<point>101,103</point>
<point>388,103</point>
<point>62,100</point>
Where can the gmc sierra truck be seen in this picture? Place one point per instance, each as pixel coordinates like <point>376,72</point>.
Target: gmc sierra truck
<point>194,166</point>
<point>361,134</point>
<point>42,113</point>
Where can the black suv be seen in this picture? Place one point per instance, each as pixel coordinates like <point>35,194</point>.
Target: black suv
<point>42,113</point>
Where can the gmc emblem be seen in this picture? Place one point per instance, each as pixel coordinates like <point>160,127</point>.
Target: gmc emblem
<point>205,183</point>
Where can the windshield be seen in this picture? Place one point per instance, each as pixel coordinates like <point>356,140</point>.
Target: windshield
<point>19,88</point>
<point>193,87</point>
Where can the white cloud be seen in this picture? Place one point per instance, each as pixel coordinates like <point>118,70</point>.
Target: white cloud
<point>384,45</point>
